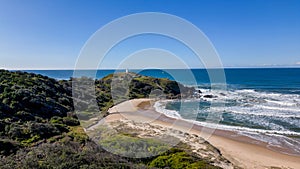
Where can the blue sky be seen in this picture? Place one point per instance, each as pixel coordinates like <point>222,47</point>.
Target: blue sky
<point>49,34</point>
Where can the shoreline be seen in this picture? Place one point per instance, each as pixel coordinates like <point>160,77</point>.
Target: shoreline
<point>241,150</point>
<point>234,135</point>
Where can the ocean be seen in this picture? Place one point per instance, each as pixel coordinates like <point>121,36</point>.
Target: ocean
<point>261,103</point>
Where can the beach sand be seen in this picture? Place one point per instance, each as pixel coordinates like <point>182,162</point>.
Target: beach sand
<point>240,150</point>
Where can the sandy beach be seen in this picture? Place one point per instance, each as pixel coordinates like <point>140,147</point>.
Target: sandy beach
<point>239,150</point>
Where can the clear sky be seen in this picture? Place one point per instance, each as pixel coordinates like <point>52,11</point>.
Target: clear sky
<point>246,33</point>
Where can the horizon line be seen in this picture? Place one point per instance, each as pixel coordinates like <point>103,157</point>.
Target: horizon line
<point>225,67</point>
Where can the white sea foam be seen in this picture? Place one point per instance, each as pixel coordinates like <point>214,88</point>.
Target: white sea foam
<point>278,113</point>
<point>252,103</point>
<point>160,107</point>
<point>246,91</point>
<point>266,114</point>
<point>236,128</point>
<point>259,110</point>
<point>280,109</point>
<point>283,103</point>
<point>276,136</point>
<point>243,129</point>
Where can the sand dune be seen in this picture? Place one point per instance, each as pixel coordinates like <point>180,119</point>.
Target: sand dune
<point>240,150</point>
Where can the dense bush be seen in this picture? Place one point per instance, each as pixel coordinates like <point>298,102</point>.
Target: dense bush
<point>28,102</point>
<point>178,159</point>
<point>8,146</point>
<point>66,155</point>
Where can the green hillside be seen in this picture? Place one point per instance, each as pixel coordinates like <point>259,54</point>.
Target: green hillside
<point>116,88</point>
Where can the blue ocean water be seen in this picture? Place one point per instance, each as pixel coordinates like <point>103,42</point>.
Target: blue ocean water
<point>262,103</point>
<point>281,80</point>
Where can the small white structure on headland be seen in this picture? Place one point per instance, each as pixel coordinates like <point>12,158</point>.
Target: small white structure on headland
<point>126,70</point>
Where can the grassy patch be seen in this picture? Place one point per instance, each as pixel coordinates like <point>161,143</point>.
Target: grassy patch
<point>178,159</point>
<point>78,134</point>
<point>127,145</point>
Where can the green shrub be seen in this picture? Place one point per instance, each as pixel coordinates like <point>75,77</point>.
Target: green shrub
<point>70,121</point>
<point>179,159</point>
<point>8,146</point>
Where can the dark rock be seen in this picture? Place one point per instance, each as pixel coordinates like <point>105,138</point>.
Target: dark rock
<point>209,96</point>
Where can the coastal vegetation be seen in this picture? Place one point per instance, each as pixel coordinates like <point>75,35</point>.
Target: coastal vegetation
<point>116,88</point>
<point>40,129</point>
